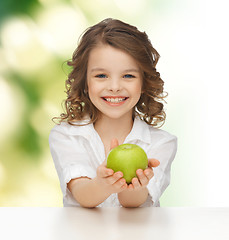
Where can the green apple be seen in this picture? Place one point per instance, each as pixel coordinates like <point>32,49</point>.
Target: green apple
<point>127,158</point>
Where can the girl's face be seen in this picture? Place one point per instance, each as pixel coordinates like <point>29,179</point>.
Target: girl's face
<point>114,81</point>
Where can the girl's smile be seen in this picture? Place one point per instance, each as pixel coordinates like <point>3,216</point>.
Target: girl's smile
<point>114,81</point>
<point>114,100</point>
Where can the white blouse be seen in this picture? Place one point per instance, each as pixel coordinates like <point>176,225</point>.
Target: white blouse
<point>77,151</point>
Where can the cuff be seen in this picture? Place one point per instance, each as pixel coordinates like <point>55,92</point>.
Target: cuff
<point>75,171</point>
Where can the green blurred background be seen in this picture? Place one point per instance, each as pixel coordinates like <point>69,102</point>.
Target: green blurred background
<point>37,37</point>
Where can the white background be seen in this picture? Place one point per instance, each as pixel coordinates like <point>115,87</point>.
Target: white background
<point>195,60</point>
<point>192,39</point>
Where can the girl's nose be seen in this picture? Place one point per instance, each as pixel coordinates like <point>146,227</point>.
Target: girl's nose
<point>114,85</point>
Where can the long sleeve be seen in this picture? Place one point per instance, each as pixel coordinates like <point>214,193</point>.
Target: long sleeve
<point>70,157</point>
<point>165,152</point>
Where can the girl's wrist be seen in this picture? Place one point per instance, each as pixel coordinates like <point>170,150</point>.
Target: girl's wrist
<point>133,198</point>
<point>106,189</point>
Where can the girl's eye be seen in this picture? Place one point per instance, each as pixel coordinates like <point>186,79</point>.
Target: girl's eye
<point>129,76</point>
<point>101,76</point>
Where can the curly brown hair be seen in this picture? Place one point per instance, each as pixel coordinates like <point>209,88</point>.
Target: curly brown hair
<point>134,42</point>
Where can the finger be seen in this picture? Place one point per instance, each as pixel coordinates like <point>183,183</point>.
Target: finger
<point>153,162</point>
<point>114,178</point>
<point>149,173</point>
<point>130,187</point>
<point>143,179</point>
<point>136,183</point>
<point>114,143</point>
<point>106,171</point>
<point>121,183</point>
<point>103,172</point>
<point>124,186</point>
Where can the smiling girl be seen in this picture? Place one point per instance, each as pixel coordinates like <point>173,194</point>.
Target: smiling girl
<point>114,96</point>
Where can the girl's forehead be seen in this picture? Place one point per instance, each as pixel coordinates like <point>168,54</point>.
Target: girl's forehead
<point>106,55</point>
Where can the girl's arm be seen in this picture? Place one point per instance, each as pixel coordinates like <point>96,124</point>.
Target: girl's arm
<point>133,198</point>
<point>86,192</point>
<point>91,192</point>
<point>137,192</point>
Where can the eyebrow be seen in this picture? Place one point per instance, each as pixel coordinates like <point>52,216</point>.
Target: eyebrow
<point>131,70</point>
<point>97,69</point>
<point>103,69</point>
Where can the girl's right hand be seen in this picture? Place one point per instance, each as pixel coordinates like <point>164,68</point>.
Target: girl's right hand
<point>113,182</point>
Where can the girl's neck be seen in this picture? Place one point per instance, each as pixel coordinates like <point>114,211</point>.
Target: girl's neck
<point>109,129</point>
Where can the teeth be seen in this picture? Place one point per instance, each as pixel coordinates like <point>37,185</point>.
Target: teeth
<point>114,100</point>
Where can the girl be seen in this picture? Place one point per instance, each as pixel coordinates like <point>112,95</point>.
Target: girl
<point>114,96</point>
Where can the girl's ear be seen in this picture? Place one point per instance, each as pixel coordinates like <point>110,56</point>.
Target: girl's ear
<point>85,91</point>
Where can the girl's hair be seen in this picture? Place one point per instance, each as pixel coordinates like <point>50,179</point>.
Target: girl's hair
<point>126,38</point>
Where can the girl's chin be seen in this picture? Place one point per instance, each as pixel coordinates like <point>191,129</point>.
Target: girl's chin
<point>115,116</point>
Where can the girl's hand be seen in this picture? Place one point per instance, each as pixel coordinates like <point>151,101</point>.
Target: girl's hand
<point>143,177</point>
<point>113,182</point>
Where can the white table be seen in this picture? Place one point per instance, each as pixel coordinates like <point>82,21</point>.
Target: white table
<point>114,223</point>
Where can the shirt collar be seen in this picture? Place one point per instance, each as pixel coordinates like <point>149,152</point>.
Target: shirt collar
<point>140,131</point>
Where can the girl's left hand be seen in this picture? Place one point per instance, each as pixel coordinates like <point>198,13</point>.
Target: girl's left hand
<point>143,177</point>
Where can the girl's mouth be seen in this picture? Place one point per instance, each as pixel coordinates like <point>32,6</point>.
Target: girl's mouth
<point>115,100</point>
